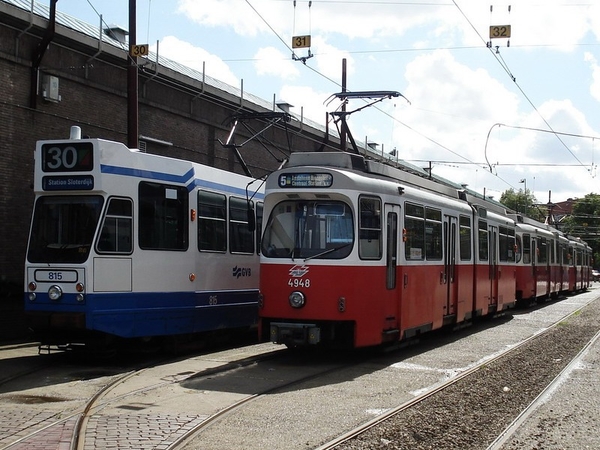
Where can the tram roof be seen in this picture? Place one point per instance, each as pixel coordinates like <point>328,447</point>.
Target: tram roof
<point>398,172</point>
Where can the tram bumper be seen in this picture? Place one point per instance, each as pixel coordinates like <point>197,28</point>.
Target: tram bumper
<point>295,334</point>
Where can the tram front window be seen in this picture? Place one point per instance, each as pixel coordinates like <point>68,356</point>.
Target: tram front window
<point>63,228</point>
<point>309,229</point>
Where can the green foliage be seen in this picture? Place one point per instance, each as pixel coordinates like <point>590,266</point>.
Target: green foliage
<point>523,202</point>
<point>585,223</point>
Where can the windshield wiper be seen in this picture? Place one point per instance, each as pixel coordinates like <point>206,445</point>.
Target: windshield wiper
<point>329,250</point>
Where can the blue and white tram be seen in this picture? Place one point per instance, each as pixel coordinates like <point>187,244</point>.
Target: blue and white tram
<point>125,244</point>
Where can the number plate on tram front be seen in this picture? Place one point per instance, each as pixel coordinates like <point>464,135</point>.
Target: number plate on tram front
<point>52,276</point>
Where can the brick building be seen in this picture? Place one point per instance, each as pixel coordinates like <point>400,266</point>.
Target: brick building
<point>80,78</point>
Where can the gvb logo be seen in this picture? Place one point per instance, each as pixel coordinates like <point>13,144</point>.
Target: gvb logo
<point>241,272</point>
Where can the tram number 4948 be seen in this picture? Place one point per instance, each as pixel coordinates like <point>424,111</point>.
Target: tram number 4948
<point>299,282</point>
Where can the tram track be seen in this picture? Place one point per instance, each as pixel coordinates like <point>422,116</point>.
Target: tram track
<point>66,427</point>
<point>319,414</point>
<point>245,391</point>
<point>196,431</point>
<point>398,427</point>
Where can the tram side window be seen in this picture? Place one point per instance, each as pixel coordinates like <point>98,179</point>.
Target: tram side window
<point>241,239</point>
<point>571,256</point>
<point>163,212</point>
<point>465,238</point>
<point>369,244</point>
<point>542,250</point>
<point>116,233</point>
<point>433,234</point>
<point>414,224</point>
<point>518,248</point>
<point>526,249</point>
<point>507,244</point>
<point>483,241</point>
<point>212,221</point>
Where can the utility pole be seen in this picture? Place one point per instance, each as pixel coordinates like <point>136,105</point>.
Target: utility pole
<point>344,127</point>
<point>132,82</point>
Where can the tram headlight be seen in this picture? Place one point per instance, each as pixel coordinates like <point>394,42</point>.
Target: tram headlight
<point>55,292</point>
<point>297,299</point>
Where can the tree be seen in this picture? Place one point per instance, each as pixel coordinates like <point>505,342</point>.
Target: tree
<point>584,222</point>
<point>523,202</point>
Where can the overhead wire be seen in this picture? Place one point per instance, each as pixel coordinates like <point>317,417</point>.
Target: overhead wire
<point>433,141</point>
<point>513,78</point>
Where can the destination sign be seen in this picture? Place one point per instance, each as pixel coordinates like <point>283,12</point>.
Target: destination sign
<point>68,157</point>
<point>309,180</point>
<point>68,183</point>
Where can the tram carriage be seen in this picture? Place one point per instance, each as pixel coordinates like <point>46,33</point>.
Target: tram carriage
<point>580,267</point>
<point>356,253</point>
<point>549,263</point>
<point>125,244</point>
<point>540,261</point>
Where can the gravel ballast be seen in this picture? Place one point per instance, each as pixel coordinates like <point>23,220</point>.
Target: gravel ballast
<point>468,416</point>
<point>471,413</point>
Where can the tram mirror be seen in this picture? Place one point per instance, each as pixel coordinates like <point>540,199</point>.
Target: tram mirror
<point>251,217</point>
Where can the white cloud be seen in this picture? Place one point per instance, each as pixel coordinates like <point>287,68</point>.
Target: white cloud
<point>328,60</point>
<point>595,85</point>
<point>307,101</point>
<point>270,61</point>
<point>195,57</point>
<point>233,14</point>
<point>452,104</point>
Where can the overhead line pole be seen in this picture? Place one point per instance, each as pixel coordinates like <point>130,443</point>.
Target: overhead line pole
<point>132,82</point>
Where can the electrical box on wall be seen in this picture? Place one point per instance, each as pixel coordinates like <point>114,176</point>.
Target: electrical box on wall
<point>50,88</point>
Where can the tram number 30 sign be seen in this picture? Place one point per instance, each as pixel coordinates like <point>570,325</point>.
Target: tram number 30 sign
<point>139,50</point>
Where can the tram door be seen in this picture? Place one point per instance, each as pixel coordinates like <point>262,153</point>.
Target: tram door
<point>391,311</point>
<point>449,277</point>
<point>493,264</point>
<point>534,267</point>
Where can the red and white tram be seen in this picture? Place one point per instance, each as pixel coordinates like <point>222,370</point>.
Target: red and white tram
<point>548,262</point>
<point>581,263</point>
<point>357,253</point>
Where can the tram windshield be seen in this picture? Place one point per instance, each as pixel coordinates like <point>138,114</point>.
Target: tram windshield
<point>63,228</point>
<point>309,229</point>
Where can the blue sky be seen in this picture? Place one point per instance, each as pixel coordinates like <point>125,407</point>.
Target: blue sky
<point>432,51</point>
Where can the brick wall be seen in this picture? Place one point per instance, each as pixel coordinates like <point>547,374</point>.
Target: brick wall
<point>94,96</point>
